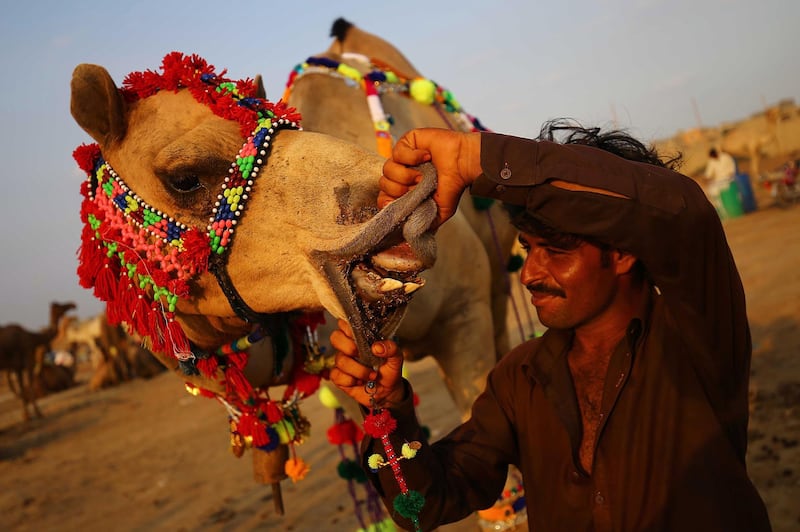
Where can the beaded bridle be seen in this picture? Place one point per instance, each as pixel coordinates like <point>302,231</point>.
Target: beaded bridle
<point>156,253</point>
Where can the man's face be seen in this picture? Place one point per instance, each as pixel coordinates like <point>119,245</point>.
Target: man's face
<point>569,287</point>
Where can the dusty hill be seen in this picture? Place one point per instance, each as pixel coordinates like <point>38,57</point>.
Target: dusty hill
<point>759,143</point>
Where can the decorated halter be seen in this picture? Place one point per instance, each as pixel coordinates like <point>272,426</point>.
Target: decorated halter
<point>140,260</point>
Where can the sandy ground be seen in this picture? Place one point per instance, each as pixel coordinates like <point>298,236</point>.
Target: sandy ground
<point>148,456</point>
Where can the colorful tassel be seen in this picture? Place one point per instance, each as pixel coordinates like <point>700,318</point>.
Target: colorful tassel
<point>296,469</point>
<point>379,424</point>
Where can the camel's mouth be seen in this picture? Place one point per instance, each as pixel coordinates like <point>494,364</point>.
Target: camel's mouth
<point>373,276</point>
<point>388,282</point>
<point>374,290</point>
<point>382,285</point>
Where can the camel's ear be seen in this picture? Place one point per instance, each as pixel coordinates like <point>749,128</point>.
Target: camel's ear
<point>97,105</point>
<point>261,92</point>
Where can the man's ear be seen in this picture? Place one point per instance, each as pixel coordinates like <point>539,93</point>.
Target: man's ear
<point>623,262</point>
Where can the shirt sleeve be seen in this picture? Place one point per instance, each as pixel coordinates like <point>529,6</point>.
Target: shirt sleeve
<point>463,472</point>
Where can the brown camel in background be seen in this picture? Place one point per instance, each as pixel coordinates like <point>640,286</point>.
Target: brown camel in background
<point>113,354</point>
<point>122,358</point>
<point>22,352</point>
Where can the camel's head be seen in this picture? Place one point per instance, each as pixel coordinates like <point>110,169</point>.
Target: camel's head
<point>169,244</point>
<point>58,310</point>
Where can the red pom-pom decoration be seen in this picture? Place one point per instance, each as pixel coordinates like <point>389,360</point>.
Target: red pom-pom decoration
<point>86,155</point>
<point>380,424</point>
<point>346,432</point>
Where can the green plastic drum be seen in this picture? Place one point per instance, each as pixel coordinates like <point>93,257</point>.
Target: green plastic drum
<point>732,201</point>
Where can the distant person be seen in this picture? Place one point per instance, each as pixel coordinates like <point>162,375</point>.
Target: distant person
<point>720,173</point>
<point>631,411</point>
<point>791,171</point>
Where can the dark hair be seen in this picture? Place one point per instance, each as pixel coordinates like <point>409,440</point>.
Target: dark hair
<point>616,141</point>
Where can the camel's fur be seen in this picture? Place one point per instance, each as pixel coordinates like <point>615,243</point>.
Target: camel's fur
<point>22,354</point>
<point>309,184</point>
<point>329,105</point>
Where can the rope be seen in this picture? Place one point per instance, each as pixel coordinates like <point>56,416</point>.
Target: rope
<point>506,276</point>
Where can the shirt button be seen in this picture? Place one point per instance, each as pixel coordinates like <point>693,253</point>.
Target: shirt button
<point>575,476</point>
<point>598,498</point>
<point>505,173</point>
<point>500,188</point>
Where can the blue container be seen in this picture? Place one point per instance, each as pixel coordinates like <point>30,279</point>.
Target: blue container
<point>746,195</point>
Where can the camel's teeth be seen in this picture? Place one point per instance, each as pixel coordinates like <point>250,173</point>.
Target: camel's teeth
<point>388,284</point>
<point>410,288</point>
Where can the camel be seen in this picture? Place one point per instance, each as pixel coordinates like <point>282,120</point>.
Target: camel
<point>229,297</point>
<point>52,378</point>
<point>113,354</point>
<point>22,353</point>
<point>330,92</point>
<point>122,358</point>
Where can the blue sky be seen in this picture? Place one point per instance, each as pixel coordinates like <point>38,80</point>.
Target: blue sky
<point>514,64</point>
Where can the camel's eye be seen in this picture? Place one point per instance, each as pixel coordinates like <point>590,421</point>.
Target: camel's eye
<point>185,183</point>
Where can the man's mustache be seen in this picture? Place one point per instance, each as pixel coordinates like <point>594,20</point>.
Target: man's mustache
<point>544,289</point>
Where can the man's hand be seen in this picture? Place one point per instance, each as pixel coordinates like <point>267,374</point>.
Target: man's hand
<point>351,376</point>
<point>456,156</point>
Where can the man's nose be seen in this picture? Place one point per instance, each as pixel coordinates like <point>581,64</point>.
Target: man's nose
<point>531,269</point>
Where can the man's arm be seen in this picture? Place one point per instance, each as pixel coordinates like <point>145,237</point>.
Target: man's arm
<point>654,213</point>
<point>461,473</point>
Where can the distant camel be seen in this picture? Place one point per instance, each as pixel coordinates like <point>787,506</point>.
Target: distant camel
<point>114,355</point>
<point>22,353</point>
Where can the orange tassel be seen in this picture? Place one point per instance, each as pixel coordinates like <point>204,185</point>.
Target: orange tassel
<point>384,146</point>
<point>296,469</point>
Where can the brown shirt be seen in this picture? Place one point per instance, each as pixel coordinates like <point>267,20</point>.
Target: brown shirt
<point>671,446</point>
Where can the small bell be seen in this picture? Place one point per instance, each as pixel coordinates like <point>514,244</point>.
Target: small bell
<point>269,467</point>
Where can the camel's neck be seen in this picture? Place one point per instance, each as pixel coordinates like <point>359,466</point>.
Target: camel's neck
<point>47,334</point>
<point>52,330</point>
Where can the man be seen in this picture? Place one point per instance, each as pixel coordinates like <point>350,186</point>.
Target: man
<point>720,173</point>
<point>630,412</point>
